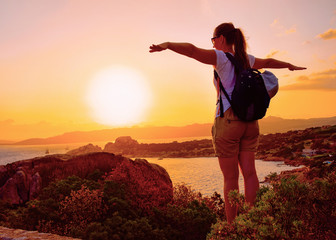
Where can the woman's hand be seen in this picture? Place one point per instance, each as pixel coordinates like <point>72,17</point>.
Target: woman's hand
<point>159,47</point>
<point>189,50</point>
<point>260,63</point>
<point>293,68</point>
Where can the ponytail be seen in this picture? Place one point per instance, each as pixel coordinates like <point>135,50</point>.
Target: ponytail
<point>240,49</point>
<point>235,37</point>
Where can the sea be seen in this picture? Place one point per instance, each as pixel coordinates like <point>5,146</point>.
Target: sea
<point>201,174</point>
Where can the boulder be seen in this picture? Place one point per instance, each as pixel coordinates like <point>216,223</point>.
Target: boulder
<point>9,192</point>
<point>23,180</point>
<point>22,184</point>
<point>35,186</point>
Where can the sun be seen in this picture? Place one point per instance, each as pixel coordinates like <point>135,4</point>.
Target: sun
<point>118,96</point>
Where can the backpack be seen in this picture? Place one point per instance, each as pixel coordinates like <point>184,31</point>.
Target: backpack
<point>250,98</point>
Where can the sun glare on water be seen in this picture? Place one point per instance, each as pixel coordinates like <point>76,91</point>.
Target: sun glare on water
<point>118,96</point>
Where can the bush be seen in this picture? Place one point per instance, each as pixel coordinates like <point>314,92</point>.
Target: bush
<point>29,216</point>
<point>43,214</point>
<point>187,217</point>
<point>114,196</point>
<point>191,222</point>
<point>184,195</point>
<point>117,227</point>
<point>288,210</point>
<point>81,208</point>
<point>60,189</point>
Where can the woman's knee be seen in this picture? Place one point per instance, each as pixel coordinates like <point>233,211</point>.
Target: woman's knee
<point>229,167</point>
<point>247,164</point>
<point>249,173</point>
<point>231,176</point>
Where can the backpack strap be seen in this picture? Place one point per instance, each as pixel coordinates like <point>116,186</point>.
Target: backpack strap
<point>237,70</point>
<point>221,88</point>
<point>234,62</point>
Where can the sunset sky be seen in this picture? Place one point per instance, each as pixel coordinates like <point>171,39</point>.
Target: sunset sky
<point>54,54</point>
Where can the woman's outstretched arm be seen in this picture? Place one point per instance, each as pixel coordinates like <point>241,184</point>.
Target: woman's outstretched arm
<point>187,49</point>
<point>273,63</point>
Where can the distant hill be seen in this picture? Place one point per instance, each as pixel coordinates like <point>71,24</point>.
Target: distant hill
<point>267,125</point>
<point>280,125</point>
<point>6,142</point>
<point>165,132</point>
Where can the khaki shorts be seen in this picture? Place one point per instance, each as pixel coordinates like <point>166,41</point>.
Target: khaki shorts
<point>231,136</point>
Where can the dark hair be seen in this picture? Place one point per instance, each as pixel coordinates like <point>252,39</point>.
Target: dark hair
<point>235,37</point>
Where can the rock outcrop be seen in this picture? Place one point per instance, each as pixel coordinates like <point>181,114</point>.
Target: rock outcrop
<point>90,148</point>
<point>122,145</point>
<point>148,185</point>
<point>22,181</point>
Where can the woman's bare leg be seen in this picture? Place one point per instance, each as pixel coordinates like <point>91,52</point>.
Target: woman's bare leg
<point>229,167</point>
<point>247,167</point>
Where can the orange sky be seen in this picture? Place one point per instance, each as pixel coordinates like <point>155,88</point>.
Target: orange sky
<point>52,50</point>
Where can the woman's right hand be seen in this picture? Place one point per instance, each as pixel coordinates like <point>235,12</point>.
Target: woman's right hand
<point>159,47</point>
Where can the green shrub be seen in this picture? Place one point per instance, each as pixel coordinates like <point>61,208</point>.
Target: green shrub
<point>184,195</point>
<point>96,175</point>
<point>117,227</point>
<point>114,190</point>
<point>185,222</point>
<point>60,189</point>
<point>289,209</point>
<point>79,209</point>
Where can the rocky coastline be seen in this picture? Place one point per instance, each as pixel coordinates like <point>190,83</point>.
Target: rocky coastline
<point>293,148</point>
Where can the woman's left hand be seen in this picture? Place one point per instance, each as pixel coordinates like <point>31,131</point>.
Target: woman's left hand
<point>293,68</point>
<point>159,47</point>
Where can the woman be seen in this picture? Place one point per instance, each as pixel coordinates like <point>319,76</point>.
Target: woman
<point>235,141</point>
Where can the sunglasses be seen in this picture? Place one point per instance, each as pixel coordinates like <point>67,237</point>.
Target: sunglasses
<point>213,39</point>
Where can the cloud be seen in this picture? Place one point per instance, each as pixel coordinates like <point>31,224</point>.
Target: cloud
<point>306,42</point>
<point>291,30</point>
<point>323,81</point>
<point>327,35</point>
<point>274,52</point>
<point>281,29</point>
<point>274,23</point>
